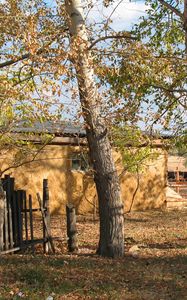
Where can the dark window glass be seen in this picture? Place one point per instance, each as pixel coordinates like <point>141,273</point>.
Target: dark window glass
<point>75,164</point>
<point>171,176</point>
<point>80,162</point>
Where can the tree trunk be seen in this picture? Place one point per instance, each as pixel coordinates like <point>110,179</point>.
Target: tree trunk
<point>111,242</point>
<point>2,205</point>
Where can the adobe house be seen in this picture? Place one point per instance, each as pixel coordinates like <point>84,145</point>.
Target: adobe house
<point>177,169</point>
<point>64,163</point>
<point>176,192</point>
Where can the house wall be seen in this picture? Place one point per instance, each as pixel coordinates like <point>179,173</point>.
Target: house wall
<point>147,189</point>
<point>176,163</point>
<point>54,163</point>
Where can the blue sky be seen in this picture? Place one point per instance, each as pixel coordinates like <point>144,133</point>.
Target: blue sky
<point>123,13</point>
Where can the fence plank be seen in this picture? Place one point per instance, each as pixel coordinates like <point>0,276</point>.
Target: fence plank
<point>6,239</point>
<point>9,209</point>
<point>48,247</point>
<point>11,205</point>
<point>6,231</point>
<point>2,203</point>
<point>19,216</point>
<point>14,218</point>
<point>31,221</point>
<point>25,215</point>
<point>47,232</point>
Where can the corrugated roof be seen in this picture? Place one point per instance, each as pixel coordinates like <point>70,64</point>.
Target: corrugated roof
<point>59,128</point>
<point>56,128</point>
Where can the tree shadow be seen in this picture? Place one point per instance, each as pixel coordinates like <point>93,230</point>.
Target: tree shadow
<point>133,220</point>
<point>126,278</point>
<point>163,246</point>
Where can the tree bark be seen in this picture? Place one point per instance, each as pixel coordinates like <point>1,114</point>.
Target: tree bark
<point>111,243</point>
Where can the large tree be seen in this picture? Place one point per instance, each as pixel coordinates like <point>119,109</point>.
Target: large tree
<point>49,48</point>
<point>111,241</point>
<point>46,50</point>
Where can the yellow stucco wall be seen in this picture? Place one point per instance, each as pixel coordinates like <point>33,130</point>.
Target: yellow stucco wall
<point>54,163</point>
<point>146,190</point>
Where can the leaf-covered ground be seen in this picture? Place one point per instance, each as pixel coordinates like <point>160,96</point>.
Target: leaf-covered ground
<point>155,269</point>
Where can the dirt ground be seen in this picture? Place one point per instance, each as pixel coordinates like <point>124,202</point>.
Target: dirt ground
<point>154,266</point>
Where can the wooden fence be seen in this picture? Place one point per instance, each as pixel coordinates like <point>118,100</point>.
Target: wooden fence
<point>18,228</point>
<point>180,188</point>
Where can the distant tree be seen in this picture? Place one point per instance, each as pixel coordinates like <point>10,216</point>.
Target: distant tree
<point>164,30</point>
<point>148,77</point>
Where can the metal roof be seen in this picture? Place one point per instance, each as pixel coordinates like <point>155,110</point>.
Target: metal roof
<point>60,128</point>
<point>51,127</point>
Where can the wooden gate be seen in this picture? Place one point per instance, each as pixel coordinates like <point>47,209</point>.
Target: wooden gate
<point>18,229</point>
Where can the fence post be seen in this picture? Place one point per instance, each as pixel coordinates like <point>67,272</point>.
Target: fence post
<point>71,228</point>
<point>14,218</point>
<point>19,216</point>
<point>25,216</point>
<point>9,188</point>
<point>2,205</point>
<point>6,233</point>
<point>31,222</point>
<point>47,222</point>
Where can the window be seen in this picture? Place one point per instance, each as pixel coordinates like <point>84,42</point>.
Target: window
<point>171,176</point>
<point>182,176</point>
<point>177,176</point>
<point>79,161</point>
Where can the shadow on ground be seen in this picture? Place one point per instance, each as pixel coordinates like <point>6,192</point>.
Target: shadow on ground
<point>93,277</point>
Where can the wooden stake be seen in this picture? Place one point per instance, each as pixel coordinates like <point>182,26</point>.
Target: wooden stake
<point>51,247</point>
<point>71,228</point>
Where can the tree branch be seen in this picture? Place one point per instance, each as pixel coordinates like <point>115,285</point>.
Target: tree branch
<point>170,90</point>
<point>13,61</point>
<point>172,8</point>
<point>135,191</point>
<point>24,56</point>
<point>22,163</point>
<point>118,36</point>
